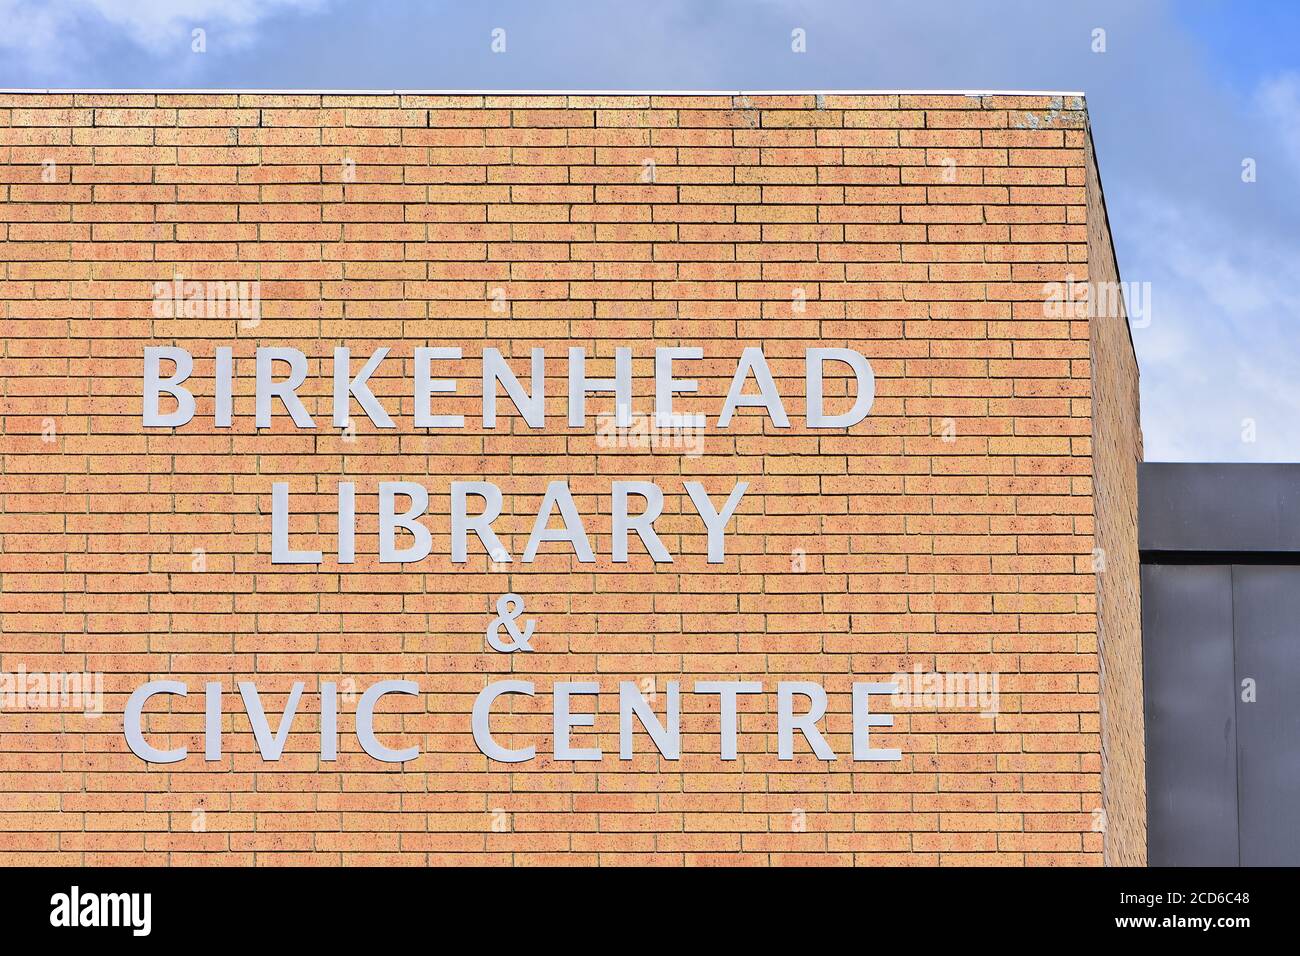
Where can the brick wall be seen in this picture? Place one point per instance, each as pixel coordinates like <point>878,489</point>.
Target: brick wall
<point>1117,438</point>
<point>952,530</point>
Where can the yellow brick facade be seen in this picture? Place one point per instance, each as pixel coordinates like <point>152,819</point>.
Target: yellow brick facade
<point>951,531</point>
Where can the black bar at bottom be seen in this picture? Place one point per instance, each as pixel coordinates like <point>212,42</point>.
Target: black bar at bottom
<point>518,906</point>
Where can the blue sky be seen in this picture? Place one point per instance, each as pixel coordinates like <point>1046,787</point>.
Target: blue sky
<point>1184,92</point>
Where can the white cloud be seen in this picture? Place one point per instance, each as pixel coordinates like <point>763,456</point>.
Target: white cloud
<point>1278,100</point>
<point>46,34</point>
<point>1218,352</point>
<point>155,24</point>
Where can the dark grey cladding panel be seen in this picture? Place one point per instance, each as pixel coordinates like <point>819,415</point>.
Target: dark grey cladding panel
<point>1215,507</point>
<point>1265,608</point>
<point>1190,718</point>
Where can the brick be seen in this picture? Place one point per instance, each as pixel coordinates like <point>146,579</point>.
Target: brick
<point>952,530</point>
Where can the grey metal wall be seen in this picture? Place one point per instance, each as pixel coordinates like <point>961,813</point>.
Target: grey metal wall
<point>1221,662</point>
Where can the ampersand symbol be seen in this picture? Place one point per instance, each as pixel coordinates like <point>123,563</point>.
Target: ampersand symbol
<point>509,607</point>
